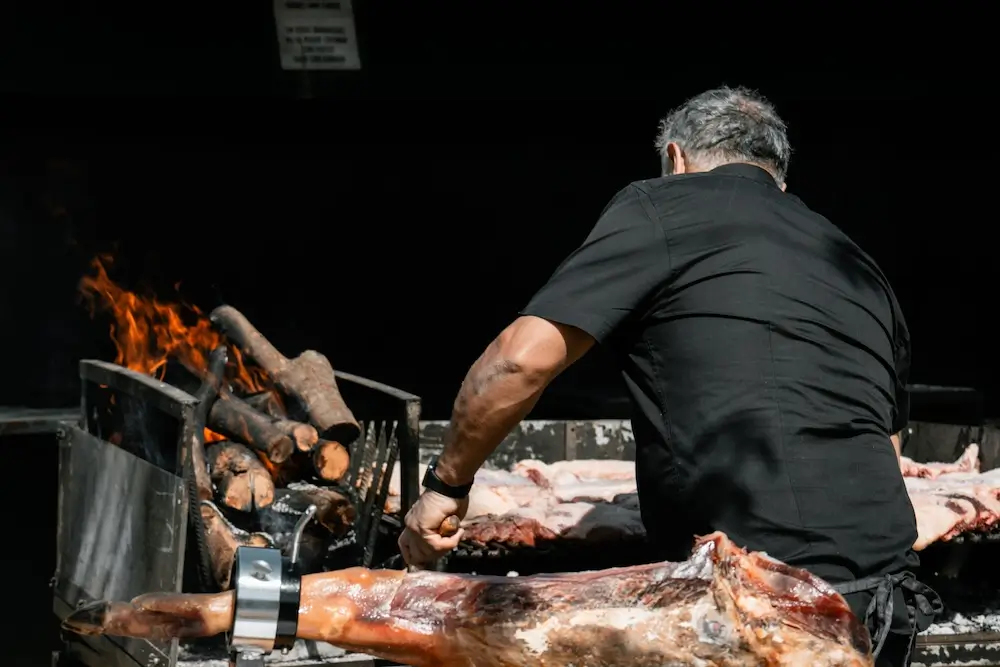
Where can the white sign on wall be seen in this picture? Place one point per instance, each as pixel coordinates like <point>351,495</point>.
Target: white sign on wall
<point>316,34</point>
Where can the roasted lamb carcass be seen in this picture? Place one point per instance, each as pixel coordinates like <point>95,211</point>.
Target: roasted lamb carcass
<point>722,607</point>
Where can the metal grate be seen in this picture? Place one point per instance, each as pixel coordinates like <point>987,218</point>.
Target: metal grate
<point>389,419</point>
<point>981,649</point>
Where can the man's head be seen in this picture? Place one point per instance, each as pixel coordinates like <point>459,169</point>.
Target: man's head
<point>724,126</point>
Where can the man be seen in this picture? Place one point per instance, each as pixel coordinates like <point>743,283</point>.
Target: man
<point>764,353</point>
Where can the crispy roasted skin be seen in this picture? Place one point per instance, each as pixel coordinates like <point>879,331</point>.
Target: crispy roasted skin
<point>721,607</point>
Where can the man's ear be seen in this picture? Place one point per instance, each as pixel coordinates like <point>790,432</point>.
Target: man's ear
<point>783,186</point>
<point>677,159</point>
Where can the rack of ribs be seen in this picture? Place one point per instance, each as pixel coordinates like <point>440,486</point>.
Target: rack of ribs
<point>721,607</point>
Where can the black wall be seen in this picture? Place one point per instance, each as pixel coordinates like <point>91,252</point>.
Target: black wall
<point>398,220</point>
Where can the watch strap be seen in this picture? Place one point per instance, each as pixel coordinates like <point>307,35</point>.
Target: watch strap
<point>434,483</point>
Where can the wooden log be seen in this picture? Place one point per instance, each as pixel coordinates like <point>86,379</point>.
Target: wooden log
<point>304,436</point>
<point>242,482</point>
<point>308,379</point>
<point>330,460</point>
<point>236,420</point>
<point>241,421</point>
<point>267,402</point>
<point>223,538</point>
<point>334,510</point>
<point>296,468</point>
<point>327,462</point>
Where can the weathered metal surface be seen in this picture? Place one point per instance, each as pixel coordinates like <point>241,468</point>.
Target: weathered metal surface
<point>352,660</point>
<point>547,441</point>
<point>982,650</point>
<point>302,654</point>
<point>600,439</point>
<point>25,421</point>
<point>151,391</point>
<point>945,442</point>
<point>543,440</point>
<point>140,414</point>
<point>375,405</point>
<point>613,439</point>
<point>121,531</point>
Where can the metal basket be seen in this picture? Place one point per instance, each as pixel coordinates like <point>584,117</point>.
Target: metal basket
<point>123,521</point>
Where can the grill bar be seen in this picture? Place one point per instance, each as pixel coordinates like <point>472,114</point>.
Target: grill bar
<point>979,649</point>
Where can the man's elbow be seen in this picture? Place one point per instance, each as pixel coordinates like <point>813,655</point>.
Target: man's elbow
<point>537,350</point>
<point>510,365</point>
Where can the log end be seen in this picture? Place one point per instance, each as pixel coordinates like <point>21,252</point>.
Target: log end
<point>248,490</point>
<point>348,432</point>
<point>280,449</point>
<point>331,460</point>
<point>305,437</point>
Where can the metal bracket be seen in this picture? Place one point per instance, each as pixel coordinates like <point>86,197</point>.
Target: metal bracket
<point>246,659</point>
<point>258,581</point>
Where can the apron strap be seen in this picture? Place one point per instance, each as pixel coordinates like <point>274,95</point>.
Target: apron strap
<point>921,600</point>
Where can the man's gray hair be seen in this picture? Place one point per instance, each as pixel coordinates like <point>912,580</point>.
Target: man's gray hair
<point>727,125</point>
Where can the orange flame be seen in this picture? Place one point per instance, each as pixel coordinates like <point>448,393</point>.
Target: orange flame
<point>148,332</point>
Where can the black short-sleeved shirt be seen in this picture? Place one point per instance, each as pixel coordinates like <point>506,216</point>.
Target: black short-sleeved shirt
<point>766,357</point>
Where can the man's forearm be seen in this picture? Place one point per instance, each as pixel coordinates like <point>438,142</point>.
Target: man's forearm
<point>897,443</point>
<point>496,395</point>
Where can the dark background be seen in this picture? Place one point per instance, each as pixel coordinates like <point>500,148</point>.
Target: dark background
<point>398,219</point>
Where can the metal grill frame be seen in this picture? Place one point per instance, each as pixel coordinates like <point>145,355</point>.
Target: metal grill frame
<point>389,418</point>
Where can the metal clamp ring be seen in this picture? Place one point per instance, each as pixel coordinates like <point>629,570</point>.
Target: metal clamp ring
<point>257,579</point>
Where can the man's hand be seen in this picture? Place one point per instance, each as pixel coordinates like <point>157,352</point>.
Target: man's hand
<point>421,543</point>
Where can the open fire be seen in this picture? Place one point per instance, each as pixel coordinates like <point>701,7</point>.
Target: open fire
<point>274,431</point>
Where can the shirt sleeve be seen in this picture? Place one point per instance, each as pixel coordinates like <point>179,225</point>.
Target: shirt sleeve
<point>606,279</point>
<point>901,417</point>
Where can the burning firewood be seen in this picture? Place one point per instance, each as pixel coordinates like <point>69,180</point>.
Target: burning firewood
<point>237,419</point>
<point>223,538</point>
<point>233,418</point>
<point>242,482</point>
<point>268,403</point>
<point>330,460</point>
<point>304,436</point>
<point>308,379</point>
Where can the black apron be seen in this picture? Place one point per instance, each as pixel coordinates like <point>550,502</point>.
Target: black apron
<point>884,613</point>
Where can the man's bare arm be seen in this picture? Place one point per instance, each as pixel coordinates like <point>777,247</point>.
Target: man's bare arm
<point>897,443</point>
<point>502,387</point>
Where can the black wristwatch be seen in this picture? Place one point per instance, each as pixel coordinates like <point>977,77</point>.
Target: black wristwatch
<point>434,483</point>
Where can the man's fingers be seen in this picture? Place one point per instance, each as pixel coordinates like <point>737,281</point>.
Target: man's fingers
<point>442,545</point>
<point>404,546</point>
<point>411,521</point>
<point>421,554</point>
